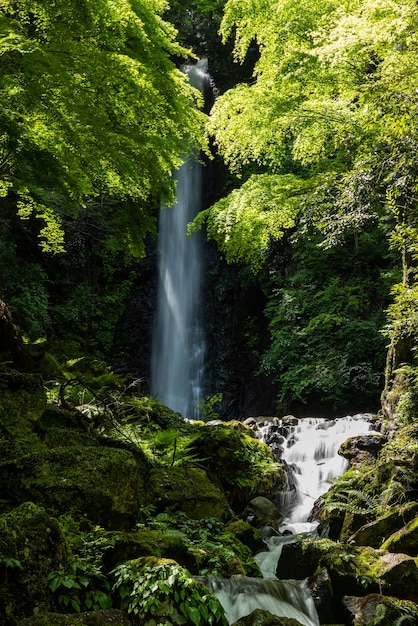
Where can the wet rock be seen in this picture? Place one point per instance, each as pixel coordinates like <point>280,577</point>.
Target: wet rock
<point>260,512</point>
<point>375,533</point>
<point>404,540</point>
<point>32,545</point>
<point>320,587</point>
<point>380,610</point>
<point>112,617</point>
<point>351,568</point>
<point>262,617</point>
<point>361,449</point>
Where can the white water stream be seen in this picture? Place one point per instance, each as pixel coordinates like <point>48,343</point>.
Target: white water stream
<point>310,448</point>
<point>178,346</point>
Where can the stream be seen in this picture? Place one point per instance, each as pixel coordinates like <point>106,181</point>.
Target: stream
<point>309,446</point>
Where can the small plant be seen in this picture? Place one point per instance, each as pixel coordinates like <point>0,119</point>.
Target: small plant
<point>81,589</point>
<point>166,588</point>
<point>206,407</point>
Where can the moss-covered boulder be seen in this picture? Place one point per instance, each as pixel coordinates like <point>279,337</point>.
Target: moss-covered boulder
<point>107,485</point>
<point>241,464</point>
<point>113,617</point>
<point>380,610</point>
<point>261,512</point>
<point>262,617</point>
<point>405,540</point>
<point>363,448</point>
<point>31,546</point>
<point>375,533</point>
<point>22,402</point>
<point>186,489</point>
<point>351,568</point>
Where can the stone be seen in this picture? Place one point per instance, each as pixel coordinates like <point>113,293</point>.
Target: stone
<point>260,512</point>
<point>262,617</point>
<point>186,489</point>
<point>405,540</point>
<point>320,587</point>
<point>104,484</point>
<point>380,610</point>
<point>375,533</point>
<point>32,545</point>
<point>351,568</point>
<point>363,448</point>
<point>112,617</point>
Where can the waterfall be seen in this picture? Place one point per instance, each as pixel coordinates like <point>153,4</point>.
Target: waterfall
<point>311,453</point>
<point>178,345</point>
<point>310,448</point>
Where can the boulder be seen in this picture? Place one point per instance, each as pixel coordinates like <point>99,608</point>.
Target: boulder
<point>380,610</point>
<point>260,512</point>
<point>262,617</point>
<point>186,489</point>
<point>405,540</point>
<point>351,568</point>
<point>320,587</point>
<point>112,617</point>
<point>22,402</point>
<point>104,484</point>
<point>379,530</point>
<point>364,448</point>
<point>32,546</point>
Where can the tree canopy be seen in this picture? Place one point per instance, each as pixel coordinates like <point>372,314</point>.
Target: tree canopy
<point>94,109</point>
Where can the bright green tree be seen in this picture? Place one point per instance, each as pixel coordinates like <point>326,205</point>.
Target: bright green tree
<point>332,108</point>
<point>94,111</point>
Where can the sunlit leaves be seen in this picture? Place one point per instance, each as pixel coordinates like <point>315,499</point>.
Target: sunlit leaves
<point>93,106</point>
<point>244,223</point>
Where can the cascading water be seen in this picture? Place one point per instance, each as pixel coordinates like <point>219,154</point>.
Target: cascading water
<point>310,448</point>
<point>178,346</point>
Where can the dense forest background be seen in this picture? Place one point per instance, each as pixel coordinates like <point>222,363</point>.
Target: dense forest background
<point>311,196</point>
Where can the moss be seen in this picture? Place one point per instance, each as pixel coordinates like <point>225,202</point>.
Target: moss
<point>404,540</point>
<point>186,489</point>
<point>104,484</point>
<point>352,569</point>
<point>32,545</point>
<point>95,618</point>
<point>378,531</point>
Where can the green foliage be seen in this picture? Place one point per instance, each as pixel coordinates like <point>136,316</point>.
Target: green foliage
<point>166,588</point>
<point>81,589</point>
<point>244,223</point>
<point>213,547</point>
<point>93,107</point>
<point>324,322</point>
<point>85,587</point>
<point>207,407</point>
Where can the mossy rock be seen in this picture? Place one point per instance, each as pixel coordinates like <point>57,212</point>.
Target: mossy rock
<point>32,545</point>
<point>241,464</point>
<point>351,568</point>
<point>104,484</point>
<point>112,617</point>
<point>247,534</point>
<point>21,396</point>
<point>262,617</point>
<point>381,610</point>
<point>405,540</point>
<point>375,533</point>
<point>186,489</point>
<point>128,546</point>
<point>22,402</point>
